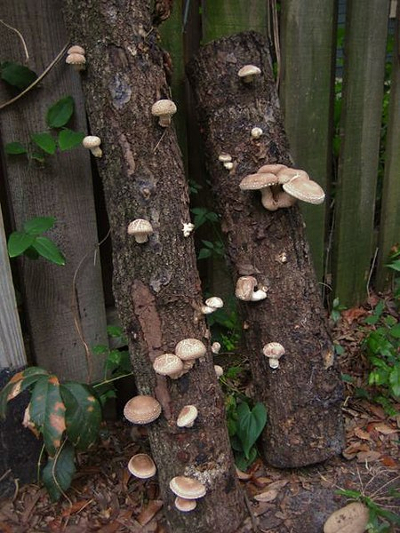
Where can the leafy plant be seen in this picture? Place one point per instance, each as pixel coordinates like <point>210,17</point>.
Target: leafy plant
<point>336,310</point>
<point>31,243</point>
<point>381,520</point>
<point>45,143</point>
<point>17,75</point>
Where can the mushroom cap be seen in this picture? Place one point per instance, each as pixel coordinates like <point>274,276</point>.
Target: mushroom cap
<point>256,132</point>
<point>75,59</point>
<point>274,350</point>
<point>142,466</point>
<point>248,70</point>
<point>91,141</point>
<point>168,364</point>
<point>219,371</point>
<point>256,182</point>
<point>187,416</point>
<point>215,302</point>
<point>140,226</point>
<point>272,168</point>
<point>142,409</point>
<point>352,518</point>
<point>245,287</point>
<point>188,488</point>
<point>163,107</point>
<point>224,158</point>
<point>216,347</point>
<point>305,189</point>
<point>188,349</point>
<point>184,505</point>
<point>76,49</point>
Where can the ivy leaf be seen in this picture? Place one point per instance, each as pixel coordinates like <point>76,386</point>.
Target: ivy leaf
<point>59,113</point>
<point>45,141</point>
<point>38,225</point>
<point>68,139</point>
<point>58,473</point>
<point>17,75</point>
<point>83,414</point>
<point>47,412</point>
<point>46,248</point>
<point>14,148</point>
<point>18,242</point>
<point>250,425</point>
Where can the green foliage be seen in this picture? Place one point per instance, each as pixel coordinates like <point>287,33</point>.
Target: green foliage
<point>57,116</point>
<point>33,244</point>
<point>58,473</point>
<point>381,520</point>
<point>210,248</point>
<point>336,310</point>
<point>17,75</point>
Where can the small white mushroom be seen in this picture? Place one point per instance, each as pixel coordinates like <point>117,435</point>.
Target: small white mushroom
<point>245,290</point>
<point>248,73</point>
<point>140,229</point>
<point>215,348</point>
<point>92,143</point>
<point>164,110</point>
<point>76,49</point>
<point>187,416</point>
<point>228,165</point>
<point>211,305</point>
<point>274,351</point>
<point>219,371</point>
<point>78,61</point>
<point>256,133</point>
<point>224,158</point>
<point>187,229</point>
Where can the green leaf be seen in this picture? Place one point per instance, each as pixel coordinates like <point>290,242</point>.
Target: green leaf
<point>46,248</point>
<point>59,471</point>
<point>204,253</point>
<point>250,425</point>
<point>395,331</point>
<point>394,379</point>
<point>395,265</point>
<point>47,412</point>
<point>17,75</point>
<point>59,113</point>
<point>31,375</point>
<point>18,242</point>
<point>68,139</point>
<point>115,331</point>
<point>14,148</point>
<point>83,414</point>
<point>38,225</point>
<point>45,141</point>
<point>100,349</point>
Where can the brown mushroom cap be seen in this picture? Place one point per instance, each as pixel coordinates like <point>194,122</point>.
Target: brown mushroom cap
<point>187,416</point>
<point>256,182</point>
<point>142,409</point>
<point>76,49</point>
<point>244,289</point>
<point>248,72</point>
<point>164,109</point>
<point>352,518</point>
<point>188,488</point>
<point>184,505</point>
<point>142,466</point>
<point>168,364</point>
<point>287,174</point>
<point>77,60</point>
<point>272,168</point>
<point>140,229</point>
<point>188,349</point>
<point>305,189</point>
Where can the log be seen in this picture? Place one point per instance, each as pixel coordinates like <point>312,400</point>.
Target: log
<point>156,283</point>
<point>303,396</point>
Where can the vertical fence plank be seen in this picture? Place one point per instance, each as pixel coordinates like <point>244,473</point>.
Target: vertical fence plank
<point>12,351</point>
<point>61,188</point>
<point>365,46</point>
<point>222,18</point>
<point>308,41</point>
<point>389,233</point>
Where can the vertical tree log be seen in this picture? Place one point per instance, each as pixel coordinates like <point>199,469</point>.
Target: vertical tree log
<point>303,396</point>
<point>156,283</point>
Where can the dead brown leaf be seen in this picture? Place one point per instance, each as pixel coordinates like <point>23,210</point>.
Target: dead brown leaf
<point>362,434</point>
<point>266,496</point>
<point>384,429</point>
<point>149,512</point>
<point>389,461</point>
<point>350,315</point>
<point>369,456</point>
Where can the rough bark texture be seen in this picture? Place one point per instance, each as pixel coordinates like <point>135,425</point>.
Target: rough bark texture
<point>156,284</point>
<point>303,396</point>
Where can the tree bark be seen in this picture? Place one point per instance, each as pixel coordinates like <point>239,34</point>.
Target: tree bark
<point>303,396</point>
<point>156,284</point>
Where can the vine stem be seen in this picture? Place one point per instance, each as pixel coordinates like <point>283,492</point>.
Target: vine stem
<point>19,35</point>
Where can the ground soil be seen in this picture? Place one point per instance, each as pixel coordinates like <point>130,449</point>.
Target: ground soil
<point>106,499</point>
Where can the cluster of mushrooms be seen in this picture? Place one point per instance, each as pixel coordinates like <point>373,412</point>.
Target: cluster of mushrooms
<point>280,187</point>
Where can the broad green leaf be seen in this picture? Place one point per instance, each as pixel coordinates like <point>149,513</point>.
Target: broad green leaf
<point>204,253</point>
<point>59,113</point>
<point>83,414</point>
<point>100,349</point>
<point>395,265</point>
<point>45,141</point>
<point>58,473</point>
<point>394,379</point>
<point>31,375</point>
<point>395,331</point>
<point>47,412</point>
<point>250,424</point>
<point>38,225</point>
<point>46,248</point>
<point>14,148</point>
<point>17,75</point>
<point>18,242</point>
<point>68,139</point>
<point>115,331</point>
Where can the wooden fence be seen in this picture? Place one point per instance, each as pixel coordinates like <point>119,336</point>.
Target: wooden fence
<point>350,235</point>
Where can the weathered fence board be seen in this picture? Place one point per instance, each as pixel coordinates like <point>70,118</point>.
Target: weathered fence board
<point>61,188</point>
<point>390,208</point>
<point>12,351</point>
<point>365,46</point>
<point>308,48</point>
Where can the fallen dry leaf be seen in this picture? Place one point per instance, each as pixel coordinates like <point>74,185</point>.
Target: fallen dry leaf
<point>149,512</point>
<point>277,485</point>
<point>388,461</point>
<point>368,457</point>
<point>361,434</point>
<point>266,496</point>
<point>384,429</point>
<point>353,314</point>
